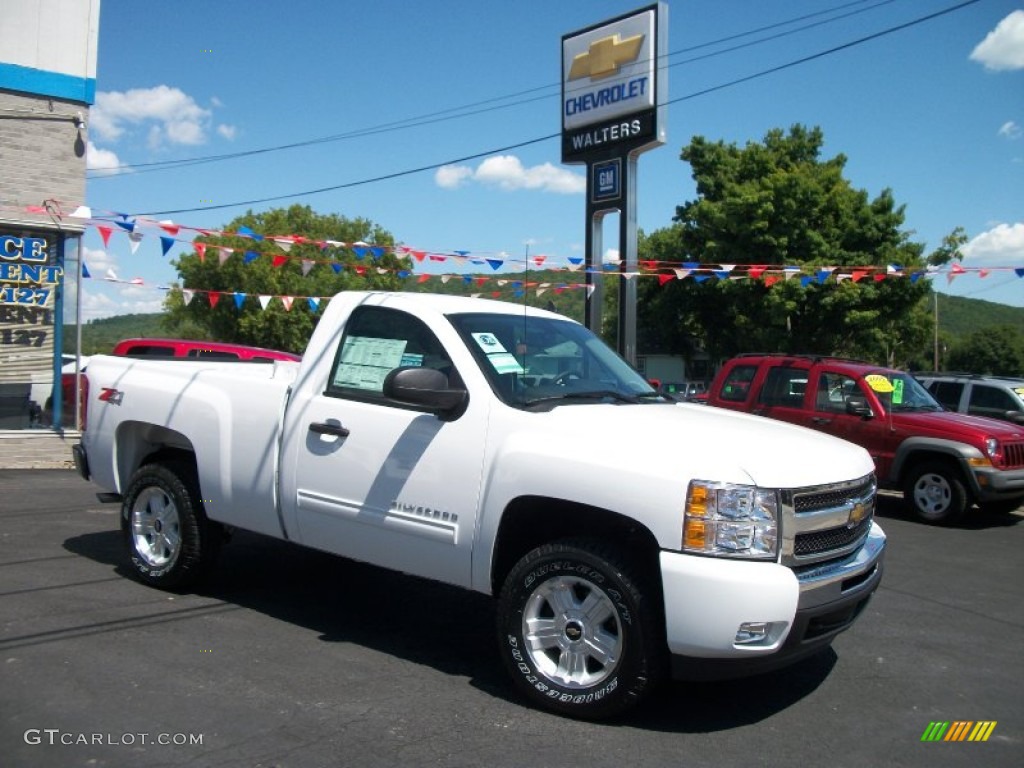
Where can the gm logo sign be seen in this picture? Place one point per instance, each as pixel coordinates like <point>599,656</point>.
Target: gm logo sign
<point>606,182</point>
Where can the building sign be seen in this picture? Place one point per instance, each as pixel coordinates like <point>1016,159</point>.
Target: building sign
<point>610,86</point>
<point>30,277</point>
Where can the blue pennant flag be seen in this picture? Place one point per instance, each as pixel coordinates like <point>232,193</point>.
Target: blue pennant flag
<point>251,256</point>
<point>239,299</point>
<point>85,270</point>
<point>166,243</point>
<point>496,264</point>
<point>467,279</point>
<point>806,280</point>
<point>360,251</point>
<point>337,267</point>
<point>245,231</point>
<point>376,251</point>
<point>314,303</point>
<point>403,273</point>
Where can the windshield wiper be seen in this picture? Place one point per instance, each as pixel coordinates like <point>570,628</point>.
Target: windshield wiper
<point>600,394</point>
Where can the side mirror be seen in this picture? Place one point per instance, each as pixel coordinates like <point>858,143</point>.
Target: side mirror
<point>857,405</point>
<point>1015,417</point>
<point>425,387</point>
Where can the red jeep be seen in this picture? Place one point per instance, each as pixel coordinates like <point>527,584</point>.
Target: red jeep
<point>942,461</point>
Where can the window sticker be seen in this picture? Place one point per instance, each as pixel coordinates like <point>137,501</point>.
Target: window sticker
<point>499,357</point>
<point>489,343</point>
<point>366,361</point>
<point>411,360</point>
<point>1019,391</point>
<point>897,392</point>
<point>880,383</point>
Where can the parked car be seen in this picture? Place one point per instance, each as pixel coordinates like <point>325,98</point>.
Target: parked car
<point>943,462</point>
<point>205,350</point>
<point>689,391</point>
<point>507,450</point>
<point>1000,397</point>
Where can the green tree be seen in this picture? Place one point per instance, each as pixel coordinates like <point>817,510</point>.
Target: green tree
<point>334,269</point>
<point>998,351</point>
<point>777,203</point>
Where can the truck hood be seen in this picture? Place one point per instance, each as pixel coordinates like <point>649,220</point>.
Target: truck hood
<point>951,424</point>
<point>695,441</point>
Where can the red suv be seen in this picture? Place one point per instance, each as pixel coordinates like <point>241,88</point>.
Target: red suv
<point>205,350</point>
<point>942,461</point>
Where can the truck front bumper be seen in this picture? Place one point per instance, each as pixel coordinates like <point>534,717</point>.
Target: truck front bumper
<point>729,618</point>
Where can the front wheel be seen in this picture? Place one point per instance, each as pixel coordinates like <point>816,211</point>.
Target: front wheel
<point>936,493</point>
<point>169,541</point>
<point>579,631</point>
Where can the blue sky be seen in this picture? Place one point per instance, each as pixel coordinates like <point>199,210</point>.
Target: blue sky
<point>934,112</point>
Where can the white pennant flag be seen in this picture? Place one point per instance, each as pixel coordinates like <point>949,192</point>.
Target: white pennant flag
<point>264,300</point>
<point>284,243</point>
<point>307,265</point>
<point>590,289</point>
<point>225,254</point>
<point>445,278</point>
<point>187,296</point>
<point>134,238</point>
<point>287,301</point>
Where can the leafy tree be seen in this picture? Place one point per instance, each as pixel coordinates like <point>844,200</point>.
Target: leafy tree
<point>335,270</point>
<point>998,351</point>
<point>777,203</point>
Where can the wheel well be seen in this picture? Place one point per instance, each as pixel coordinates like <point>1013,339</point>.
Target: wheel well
<point>531,521</point>
<point>916,459</point>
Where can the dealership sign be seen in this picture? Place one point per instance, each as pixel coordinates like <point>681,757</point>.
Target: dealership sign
<point>611,88</point>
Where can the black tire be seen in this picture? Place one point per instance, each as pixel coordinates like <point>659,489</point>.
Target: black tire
<point>935,491</point>
<point>579,631</point>
<point>168,539</point>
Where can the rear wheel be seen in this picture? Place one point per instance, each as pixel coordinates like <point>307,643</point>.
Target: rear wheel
<point>578,630</point>
<point>936,493</point>
<point>169,541</point>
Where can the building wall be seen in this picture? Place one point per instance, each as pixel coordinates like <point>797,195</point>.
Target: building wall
<point>42,155</point>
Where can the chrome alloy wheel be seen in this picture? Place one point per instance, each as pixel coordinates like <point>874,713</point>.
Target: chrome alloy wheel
<point>932,494</point>
<point>572,632</point>
<point>156,527</point>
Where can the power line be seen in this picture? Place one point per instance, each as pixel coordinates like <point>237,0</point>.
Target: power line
<point>477,155</point>
<point>494,104</point>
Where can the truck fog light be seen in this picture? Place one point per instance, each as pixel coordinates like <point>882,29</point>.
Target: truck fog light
<point>753,632</point>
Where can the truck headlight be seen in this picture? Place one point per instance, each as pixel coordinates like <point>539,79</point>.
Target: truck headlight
<point>731,520</point>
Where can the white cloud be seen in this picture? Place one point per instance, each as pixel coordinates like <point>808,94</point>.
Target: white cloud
<point>1001,246</point>
<point>1003,47</point>
<point>507,172</point>
<point>1010,130</point>
<point>227,131</point>
<point>452,176</point>
<point>98,261</point>
<point>172,116</point>
<point>102,160</point>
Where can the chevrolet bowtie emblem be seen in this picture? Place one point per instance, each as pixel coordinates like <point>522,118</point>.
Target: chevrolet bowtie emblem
<point>605,56</point>
<point>857,514</point>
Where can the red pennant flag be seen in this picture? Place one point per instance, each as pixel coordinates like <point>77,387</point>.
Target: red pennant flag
<point>214,297</point>
<point>652,265</point>
<point>360,270</point>
<point>423,278</point>
<point>278,260</point>
<point>539,260</point>
<point>481,280</point>
<point>663,278</point>
<point>105,234</point>
<point>495,294</point>
<point>879,277</point>
<point>755,272</point>
<point>771,280</point>
<point>170,228</point>
<point>419,255</point>
<point>201,250</point>
<point>858,274</point>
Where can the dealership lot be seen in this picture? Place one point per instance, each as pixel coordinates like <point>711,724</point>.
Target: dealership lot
<point>294,658</point>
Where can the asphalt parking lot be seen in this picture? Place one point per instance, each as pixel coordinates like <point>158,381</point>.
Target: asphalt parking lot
<point>295,658</point>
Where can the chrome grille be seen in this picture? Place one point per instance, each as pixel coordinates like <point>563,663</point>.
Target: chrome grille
<point>826,521</point>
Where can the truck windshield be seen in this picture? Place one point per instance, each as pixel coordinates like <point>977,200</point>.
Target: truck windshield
<point>531,360</point>
<point>900,392</point>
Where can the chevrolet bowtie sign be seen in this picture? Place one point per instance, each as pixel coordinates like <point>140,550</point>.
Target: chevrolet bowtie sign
<point>610,85</point>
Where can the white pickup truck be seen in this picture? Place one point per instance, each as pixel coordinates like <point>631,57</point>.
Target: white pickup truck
<point>505,450</point>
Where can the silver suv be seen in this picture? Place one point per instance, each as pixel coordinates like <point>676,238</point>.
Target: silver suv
<point>999,397</point>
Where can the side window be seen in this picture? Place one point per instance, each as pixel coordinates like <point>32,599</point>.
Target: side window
<point>736,386</point>
<point>947,393</point>
<point>784,386</point>
<point>833,389</point>
<point>148,350</point>
<point>212,354</point>
<point>377,341</point>
<point>985,399</point>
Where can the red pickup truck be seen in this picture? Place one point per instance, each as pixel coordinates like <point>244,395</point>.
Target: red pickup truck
<point>942,461</point>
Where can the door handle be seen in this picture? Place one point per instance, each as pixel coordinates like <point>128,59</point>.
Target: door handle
<point>320,428</point>
<point>821,420</point>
